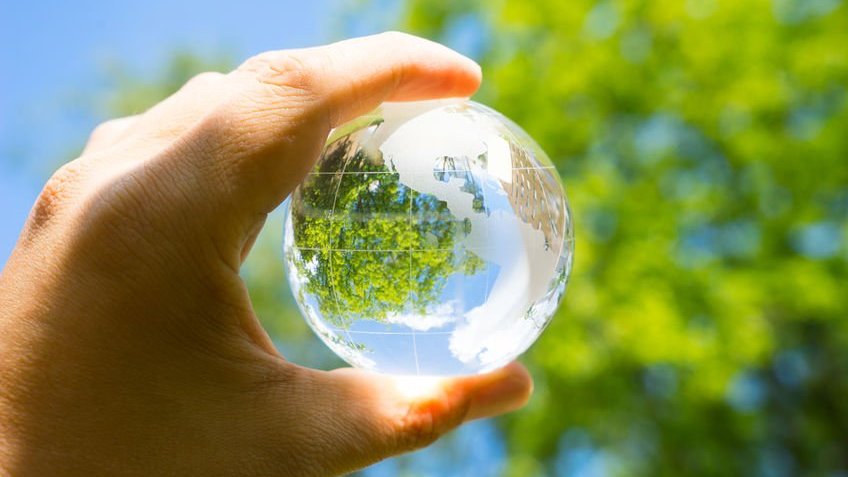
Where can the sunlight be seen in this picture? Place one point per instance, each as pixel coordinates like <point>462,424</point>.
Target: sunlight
<point>416,387</point>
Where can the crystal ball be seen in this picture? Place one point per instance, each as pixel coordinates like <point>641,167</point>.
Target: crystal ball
<point>431,238</point>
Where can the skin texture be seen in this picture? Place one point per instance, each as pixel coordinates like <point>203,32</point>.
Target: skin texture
<point>127,340</point>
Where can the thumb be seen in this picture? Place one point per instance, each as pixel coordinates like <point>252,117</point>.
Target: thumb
<point>357,418</point>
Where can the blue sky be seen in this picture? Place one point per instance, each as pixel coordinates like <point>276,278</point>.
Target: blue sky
<point>54,53</point>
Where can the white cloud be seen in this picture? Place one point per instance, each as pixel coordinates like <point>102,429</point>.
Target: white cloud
<point>436,318</point>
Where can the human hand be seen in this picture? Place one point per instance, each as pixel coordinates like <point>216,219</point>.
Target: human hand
<point>127,340</point>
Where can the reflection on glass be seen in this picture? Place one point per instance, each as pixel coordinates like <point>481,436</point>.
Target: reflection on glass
<point>431,238</point>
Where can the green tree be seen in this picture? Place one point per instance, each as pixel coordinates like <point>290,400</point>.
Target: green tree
<point>703,147</point>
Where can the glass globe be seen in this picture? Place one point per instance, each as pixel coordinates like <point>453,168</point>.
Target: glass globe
<point>432,238</point>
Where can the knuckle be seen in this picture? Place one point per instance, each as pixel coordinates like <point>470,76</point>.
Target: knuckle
<point>287,70</point>
<point>58,190</point>
<point>280,87</point>
<point>206,78</point>
<point>105,129</point>
<point>109,132</point>
<point>73,195</point>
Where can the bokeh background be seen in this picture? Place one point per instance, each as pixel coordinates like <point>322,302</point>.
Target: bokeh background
<point>704,147</point>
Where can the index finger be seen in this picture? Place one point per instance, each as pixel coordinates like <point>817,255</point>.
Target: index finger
<point>352,77</point>
<point>269,136</point>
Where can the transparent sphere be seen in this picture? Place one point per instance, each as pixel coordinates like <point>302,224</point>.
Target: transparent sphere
<point>432,238</point>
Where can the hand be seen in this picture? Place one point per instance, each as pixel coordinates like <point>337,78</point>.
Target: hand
<point>127,340</point>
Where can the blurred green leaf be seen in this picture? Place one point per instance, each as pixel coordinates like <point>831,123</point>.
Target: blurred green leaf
<point>703,145</point>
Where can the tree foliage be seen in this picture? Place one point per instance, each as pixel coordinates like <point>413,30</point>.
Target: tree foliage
<point>703,146</point>
<point>368,246</point>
